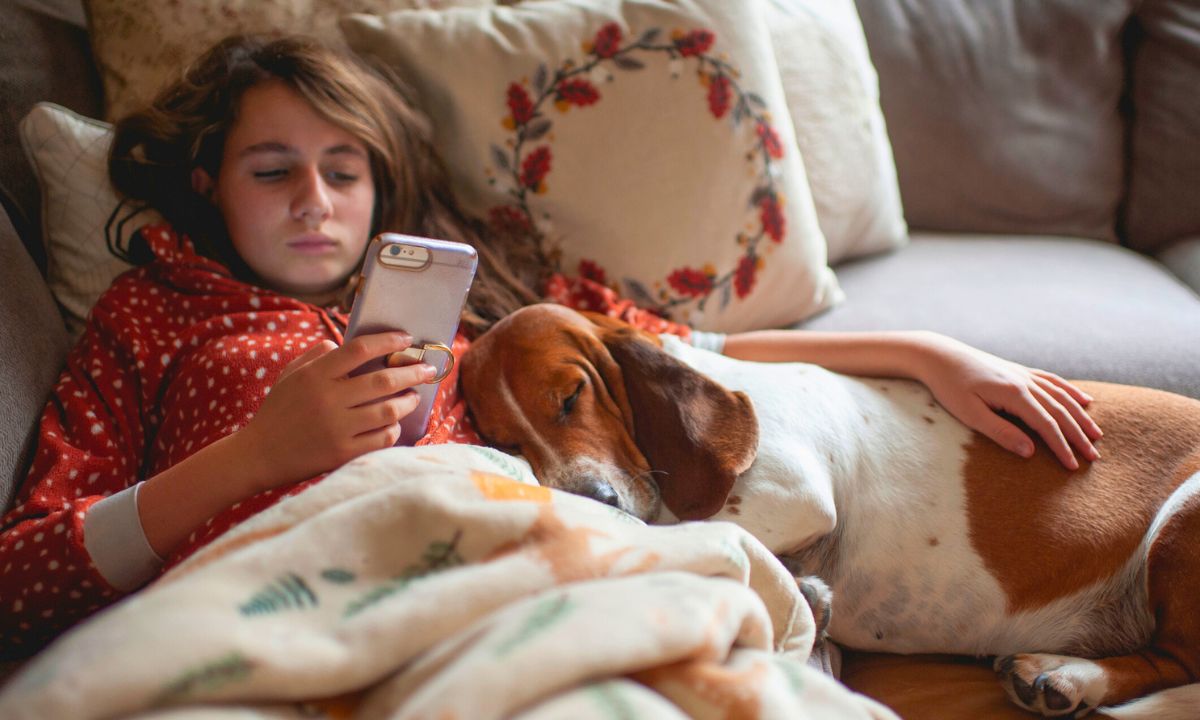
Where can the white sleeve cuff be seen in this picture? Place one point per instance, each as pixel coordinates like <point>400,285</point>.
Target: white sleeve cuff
<point>708,340</point>
<point>114,537</point>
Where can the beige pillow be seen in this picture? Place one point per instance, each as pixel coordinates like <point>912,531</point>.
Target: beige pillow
<point>69,155</point>
<point>648,141</point>
<point>141,45</point>
<point>832,94</point>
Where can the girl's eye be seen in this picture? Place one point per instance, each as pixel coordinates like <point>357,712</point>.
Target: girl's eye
<point>342,178</point>
<point>270,174</point>
<point>568,404</point>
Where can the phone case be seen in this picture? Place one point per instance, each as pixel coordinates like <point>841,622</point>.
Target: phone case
<point>417,285</point>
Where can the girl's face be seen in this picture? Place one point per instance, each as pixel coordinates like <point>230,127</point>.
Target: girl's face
<point>296,194</point>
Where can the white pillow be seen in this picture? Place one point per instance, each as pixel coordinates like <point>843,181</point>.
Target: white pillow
<point>69,154</point>
<point>833,96</point>
<point>636,168</point>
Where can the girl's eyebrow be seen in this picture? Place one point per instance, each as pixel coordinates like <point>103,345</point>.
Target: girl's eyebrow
<point>272,146</point>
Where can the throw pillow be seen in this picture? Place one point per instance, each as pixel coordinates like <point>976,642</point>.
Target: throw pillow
<point>643,143</point>
<point>1004,115</point>
<point>69,155</point>
<point>140,45</point>
<point>832,94</point>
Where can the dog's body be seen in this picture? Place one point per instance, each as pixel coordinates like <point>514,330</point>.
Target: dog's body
<point>932,538</point>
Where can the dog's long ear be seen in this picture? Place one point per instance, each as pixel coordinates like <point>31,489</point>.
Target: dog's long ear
<point>699,433</point>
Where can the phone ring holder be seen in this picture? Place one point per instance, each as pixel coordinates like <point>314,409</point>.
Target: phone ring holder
<point>417,353</point>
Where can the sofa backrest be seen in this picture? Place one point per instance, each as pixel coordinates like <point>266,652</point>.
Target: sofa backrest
<point>44,55</point>
<point>33,344</point>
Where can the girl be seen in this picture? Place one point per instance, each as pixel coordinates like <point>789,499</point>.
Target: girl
<point>212,381</point>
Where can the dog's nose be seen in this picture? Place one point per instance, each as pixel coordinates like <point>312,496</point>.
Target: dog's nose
<point>599,490</point>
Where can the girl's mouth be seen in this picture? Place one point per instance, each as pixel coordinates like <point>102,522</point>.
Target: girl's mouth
<point>312,244</point>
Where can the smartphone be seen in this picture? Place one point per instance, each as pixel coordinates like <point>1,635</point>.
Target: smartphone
<point>417,285</point>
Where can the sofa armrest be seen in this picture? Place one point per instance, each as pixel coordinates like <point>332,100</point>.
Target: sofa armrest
<point>33,345</point>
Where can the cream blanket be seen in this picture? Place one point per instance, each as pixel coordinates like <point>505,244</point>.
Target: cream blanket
<point>440,583</point>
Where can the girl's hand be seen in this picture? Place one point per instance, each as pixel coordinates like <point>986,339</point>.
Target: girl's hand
<point>975,386</point>
<point>316,417</point>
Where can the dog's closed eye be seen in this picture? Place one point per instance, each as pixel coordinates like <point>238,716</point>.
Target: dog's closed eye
<point>568,403</point>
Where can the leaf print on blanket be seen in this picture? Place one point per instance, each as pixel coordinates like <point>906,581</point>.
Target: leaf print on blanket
<point>288,592</point>
<point>438,556</point>
<point>206,677</point>
<point>521,169</point>
<point>545,615</point>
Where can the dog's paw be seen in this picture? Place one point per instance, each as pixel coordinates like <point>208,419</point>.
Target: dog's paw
<point>1053,685</point>
<point>820,599</point>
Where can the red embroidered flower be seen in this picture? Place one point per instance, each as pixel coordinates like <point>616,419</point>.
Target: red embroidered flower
<point>696,42</point>
<point>592,271</point>
<point>535,167</point>
<point>690,282</point>
<point>769,139</point>
<point>743,278</point>
<point>519,104</point>
<point>608,41</point>
<point>771,214</point>
<point>719,95</point>
<point>509,221</point>
<point>578,92</point>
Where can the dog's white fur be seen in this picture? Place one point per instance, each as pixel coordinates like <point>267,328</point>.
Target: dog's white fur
<point>855,477</point>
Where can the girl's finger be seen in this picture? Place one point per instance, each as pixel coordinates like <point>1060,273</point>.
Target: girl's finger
<point>1065,385</point>
<point>1067,424</point>
<point>368,418</point>
<point>372,386</point>
<point>1043,414</point>
<point>308,356</point>
<point>362,350</point>
<point>1081,417</point>
<point>1000,431</point>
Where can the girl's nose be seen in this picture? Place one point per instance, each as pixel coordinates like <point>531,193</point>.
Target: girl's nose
<point>311,204</point>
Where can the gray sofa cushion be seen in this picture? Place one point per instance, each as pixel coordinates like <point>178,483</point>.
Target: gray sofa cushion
<point>1081,308</point>
<point>1003,114</point>
<point>33,346</point>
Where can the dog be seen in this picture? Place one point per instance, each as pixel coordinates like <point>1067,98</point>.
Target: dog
<point>1085,584</point>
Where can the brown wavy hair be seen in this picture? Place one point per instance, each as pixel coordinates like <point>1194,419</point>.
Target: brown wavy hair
<point>155,150</point>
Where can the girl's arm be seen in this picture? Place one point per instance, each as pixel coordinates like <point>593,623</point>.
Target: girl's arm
<point>972,385</point>
<point>315,419</point>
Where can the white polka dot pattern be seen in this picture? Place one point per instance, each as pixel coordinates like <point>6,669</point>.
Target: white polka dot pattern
<point>175,355</point>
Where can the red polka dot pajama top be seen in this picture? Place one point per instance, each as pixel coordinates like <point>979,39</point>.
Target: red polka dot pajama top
<point>176,354</point>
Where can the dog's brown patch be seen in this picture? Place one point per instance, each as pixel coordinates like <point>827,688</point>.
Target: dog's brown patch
<point>1064,531</point>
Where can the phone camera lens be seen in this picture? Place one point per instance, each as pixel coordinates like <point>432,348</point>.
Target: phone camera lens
<point>394,250</point>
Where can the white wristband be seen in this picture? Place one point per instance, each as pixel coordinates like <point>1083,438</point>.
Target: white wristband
<point>708,340</point>
<point>114,537</point>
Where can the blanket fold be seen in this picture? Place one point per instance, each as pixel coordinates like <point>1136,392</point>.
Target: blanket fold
<point>439,582</point>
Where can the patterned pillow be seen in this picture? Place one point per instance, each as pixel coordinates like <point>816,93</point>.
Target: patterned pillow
<point>832,94</point>
<point>643,143</point>
<point>69,154</point>
<point>140,45</point>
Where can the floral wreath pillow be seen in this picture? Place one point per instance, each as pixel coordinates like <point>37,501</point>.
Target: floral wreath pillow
<point>642,144</point>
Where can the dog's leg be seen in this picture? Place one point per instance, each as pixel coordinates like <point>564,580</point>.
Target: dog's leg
<point>1058,686</point>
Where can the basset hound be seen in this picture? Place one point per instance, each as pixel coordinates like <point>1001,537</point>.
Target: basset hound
<point>1085,584</point>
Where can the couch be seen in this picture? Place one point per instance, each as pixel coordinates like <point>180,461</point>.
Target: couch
<point>1040,230</point>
